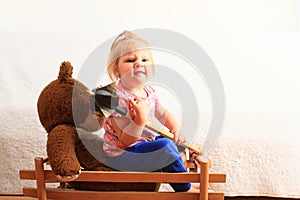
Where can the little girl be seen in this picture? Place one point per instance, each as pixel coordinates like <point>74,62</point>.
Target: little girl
<point>128,144</point>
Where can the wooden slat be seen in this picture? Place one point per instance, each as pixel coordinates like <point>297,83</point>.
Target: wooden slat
<point>64,194</point>
<point>27,174</point>
<point>217,177</point>
<point>55,193</point>
<point>106,176</point>
<point>112,176</point>
<point>139,177</point>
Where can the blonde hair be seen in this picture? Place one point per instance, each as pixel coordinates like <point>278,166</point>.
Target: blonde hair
<point>123,44</point>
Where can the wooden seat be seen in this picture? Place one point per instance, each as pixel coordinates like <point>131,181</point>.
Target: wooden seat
<point>43,177</point>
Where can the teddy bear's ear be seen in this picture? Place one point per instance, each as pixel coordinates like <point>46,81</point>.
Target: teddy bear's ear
<point>65,72</point>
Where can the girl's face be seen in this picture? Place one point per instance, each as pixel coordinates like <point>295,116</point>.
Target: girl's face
<point>134,68</point>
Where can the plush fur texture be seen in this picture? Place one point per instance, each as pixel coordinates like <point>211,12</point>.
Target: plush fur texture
<point>62,104</point>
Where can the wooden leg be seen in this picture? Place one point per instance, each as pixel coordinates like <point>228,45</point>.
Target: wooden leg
<point>40,178</point>
<point>204,178</point>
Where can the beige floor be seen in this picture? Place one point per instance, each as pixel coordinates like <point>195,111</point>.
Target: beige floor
<point>14,198</point>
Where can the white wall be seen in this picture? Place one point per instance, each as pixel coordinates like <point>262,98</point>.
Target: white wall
<point>187,17</point>
<point>253,43</point>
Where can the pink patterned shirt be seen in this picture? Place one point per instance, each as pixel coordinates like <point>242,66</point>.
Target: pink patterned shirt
<point>112,146</point>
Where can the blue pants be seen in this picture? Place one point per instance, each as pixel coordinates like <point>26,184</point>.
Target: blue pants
<point>160,154</point>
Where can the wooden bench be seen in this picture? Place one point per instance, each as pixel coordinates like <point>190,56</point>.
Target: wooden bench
<point>43,177</point>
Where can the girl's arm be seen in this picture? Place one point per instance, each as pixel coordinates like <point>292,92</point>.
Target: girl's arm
<point>130,129</point>
<point>167,119</point>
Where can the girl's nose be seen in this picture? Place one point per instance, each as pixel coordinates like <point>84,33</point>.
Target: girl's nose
<point>138,63</point>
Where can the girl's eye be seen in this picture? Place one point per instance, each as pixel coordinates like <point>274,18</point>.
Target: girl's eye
<point>145,59</point>
<point>129,60</point>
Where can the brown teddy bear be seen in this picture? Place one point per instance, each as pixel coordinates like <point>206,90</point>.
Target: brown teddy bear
<point>64,107</point>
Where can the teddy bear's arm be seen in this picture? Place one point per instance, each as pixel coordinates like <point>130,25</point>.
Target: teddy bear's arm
<point>61,151</point>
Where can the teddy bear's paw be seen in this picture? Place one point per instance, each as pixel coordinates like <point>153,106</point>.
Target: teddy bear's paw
<point>68,178</point>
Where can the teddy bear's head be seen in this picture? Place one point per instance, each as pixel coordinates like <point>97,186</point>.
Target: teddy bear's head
<point>64,101</point>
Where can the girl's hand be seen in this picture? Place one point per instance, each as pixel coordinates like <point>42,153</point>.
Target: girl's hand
<point>138,110</point>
